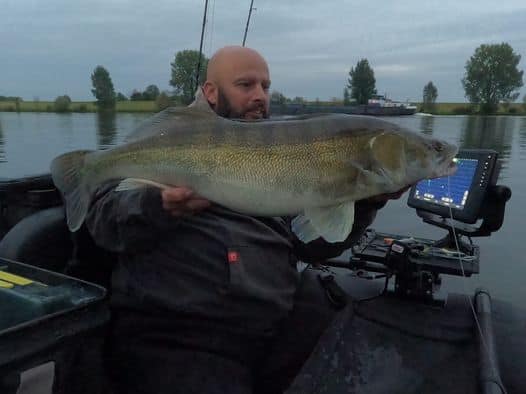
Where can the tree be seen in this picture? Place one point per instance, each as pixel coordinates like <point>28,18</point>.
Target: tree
<point>62,103</point>
<point>298,100</point>
<point>184,69</point>
<point>492,76</point>
<point>277,98</point>
<point>346,96</point>
<point>10,98</point>
<point>136,95</point>
<point>429,97</point>
<point>121,97</point>
<point>151,93</point>
<point>103,88</point>
<point>362,82</point>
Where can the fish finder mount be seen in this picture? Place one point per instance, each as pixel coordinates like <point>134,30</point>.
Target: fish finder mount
<point>469,203</point>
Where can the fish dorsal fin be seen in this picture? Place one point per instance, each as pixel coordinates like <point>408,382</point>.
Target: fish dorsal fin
<point>198,110</point>
<point>333,223</point>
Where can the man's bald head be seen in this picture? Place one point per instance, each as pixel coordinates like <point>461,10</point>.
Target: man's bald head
<point>228,57</point>
<point>237,83</point>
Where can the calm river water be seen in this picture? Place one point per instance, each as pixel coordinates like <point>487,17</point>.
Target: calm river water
<point>28,142</point>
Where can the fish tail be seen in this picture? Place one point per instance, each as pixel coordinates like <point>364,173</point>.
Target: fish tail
<point>67,177</point>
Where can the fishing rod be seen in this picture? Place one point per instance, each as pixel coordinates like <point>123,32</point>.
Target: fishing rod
<point>201,48</point>
<point>248,20</point>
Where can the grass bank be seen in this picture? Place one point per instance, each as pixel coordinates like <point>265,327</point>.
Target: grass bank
<point>468,109</point>
<point>150,106</point>
<point>448,108</point>
<point>76,106</point>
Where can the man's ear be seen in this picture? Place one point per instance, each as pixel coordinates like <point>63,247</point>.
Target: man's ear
<point>210,91</point>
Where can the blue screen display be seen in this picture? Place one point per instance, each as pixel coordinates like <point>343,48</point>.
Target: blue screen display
<point>449,191</point>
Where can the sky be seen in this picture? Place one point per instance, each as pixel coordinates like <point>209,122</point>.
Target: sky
<point>50,47</point>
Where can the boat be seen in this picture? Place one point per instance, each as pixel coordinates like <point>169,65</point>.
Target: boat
<point>401,337</point>
<point>376,106</point>
<point>380,105</point>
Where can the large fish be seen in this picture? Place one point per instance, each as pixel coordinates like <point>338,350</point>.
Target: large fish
<point>315,166</point>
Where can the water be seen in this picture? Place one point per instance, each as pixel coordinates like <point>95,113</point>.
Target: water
<point>29,141</point>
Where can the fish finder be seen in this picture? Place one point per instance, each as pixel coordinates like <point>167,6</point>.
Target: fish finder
<point>461,195</point>
<point>468,203</point>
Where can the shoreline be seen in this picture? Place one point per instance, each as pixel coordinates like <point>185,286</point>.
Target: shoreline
<point>514,109</point>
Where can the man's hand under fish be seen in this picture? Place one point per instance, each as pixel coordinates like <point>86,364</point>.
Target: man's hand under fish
<point>182,201</point>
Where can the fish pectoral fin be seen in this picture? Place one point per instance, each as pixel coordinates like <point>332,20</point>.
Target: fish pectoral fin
<point>137,183</point>
<point>333,223</point>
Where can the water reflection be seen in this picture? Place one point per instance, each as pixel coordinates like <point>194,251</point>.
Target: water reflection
<point>522,138</point>
<point>2,143</point>
<point>65,127</point>
<point>106,129</point>
<point>426,124</point>
<point>64,121</point>
<point>489,132</point>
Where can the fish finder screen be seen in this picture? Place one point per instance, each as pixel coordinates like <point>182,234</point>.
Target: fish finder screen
<point>450,193</point>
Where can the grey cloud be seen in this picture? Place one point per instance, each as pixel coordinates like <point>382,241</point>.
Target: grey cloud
<point>51,47</point>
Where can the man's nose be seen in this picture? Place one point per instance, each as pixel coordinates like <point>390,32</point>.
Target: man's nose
<point>259,93</point>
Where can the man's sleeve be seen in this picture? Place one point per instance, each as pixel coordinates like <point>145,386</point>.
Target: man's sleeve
<point>126,221</point>
<point>319,250</point>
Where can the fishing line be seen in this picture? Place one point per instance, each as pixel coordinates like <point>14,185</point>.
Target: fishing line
<point>464,278</point>
<point>211,30</point>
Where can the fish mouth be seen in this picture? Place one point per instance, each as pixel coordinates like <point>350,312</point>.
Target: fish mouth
<point>446,167</point>
<point>452,168</point>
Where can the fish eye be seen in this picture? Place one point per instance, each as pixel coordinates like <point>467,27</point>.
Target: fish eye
<point>438,146</point>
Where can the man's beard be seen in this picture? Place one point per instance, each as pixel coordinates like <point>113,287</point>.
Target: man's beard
<point>225,110</point>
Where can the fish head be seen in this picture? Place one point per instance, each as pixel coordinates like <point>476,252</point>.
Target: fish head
<point>405,158</point>
<point>427,157</point>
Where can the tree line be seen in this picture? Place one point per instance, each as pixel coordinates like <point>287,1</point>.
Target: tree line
<point>183,80</point>
<point>491,77</point>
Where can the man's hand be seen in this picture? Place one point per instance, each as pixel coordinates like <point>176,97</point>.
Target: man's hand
<point>181,201</point>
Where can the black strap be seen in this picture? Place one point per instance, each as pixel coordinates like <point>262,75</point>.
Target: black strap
<point>336,295</point>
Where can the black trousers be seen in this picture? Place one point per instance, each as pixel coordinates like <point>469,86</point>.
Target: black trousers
<point>146,356</point>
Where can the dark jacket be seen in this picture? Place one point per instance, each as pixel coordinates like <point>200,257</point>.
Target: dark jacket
<point>218,264</point>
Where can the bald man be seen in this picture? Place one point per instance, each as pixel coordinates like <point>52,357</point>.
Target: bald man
<point>204,299</point>
<point>237,83</point>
